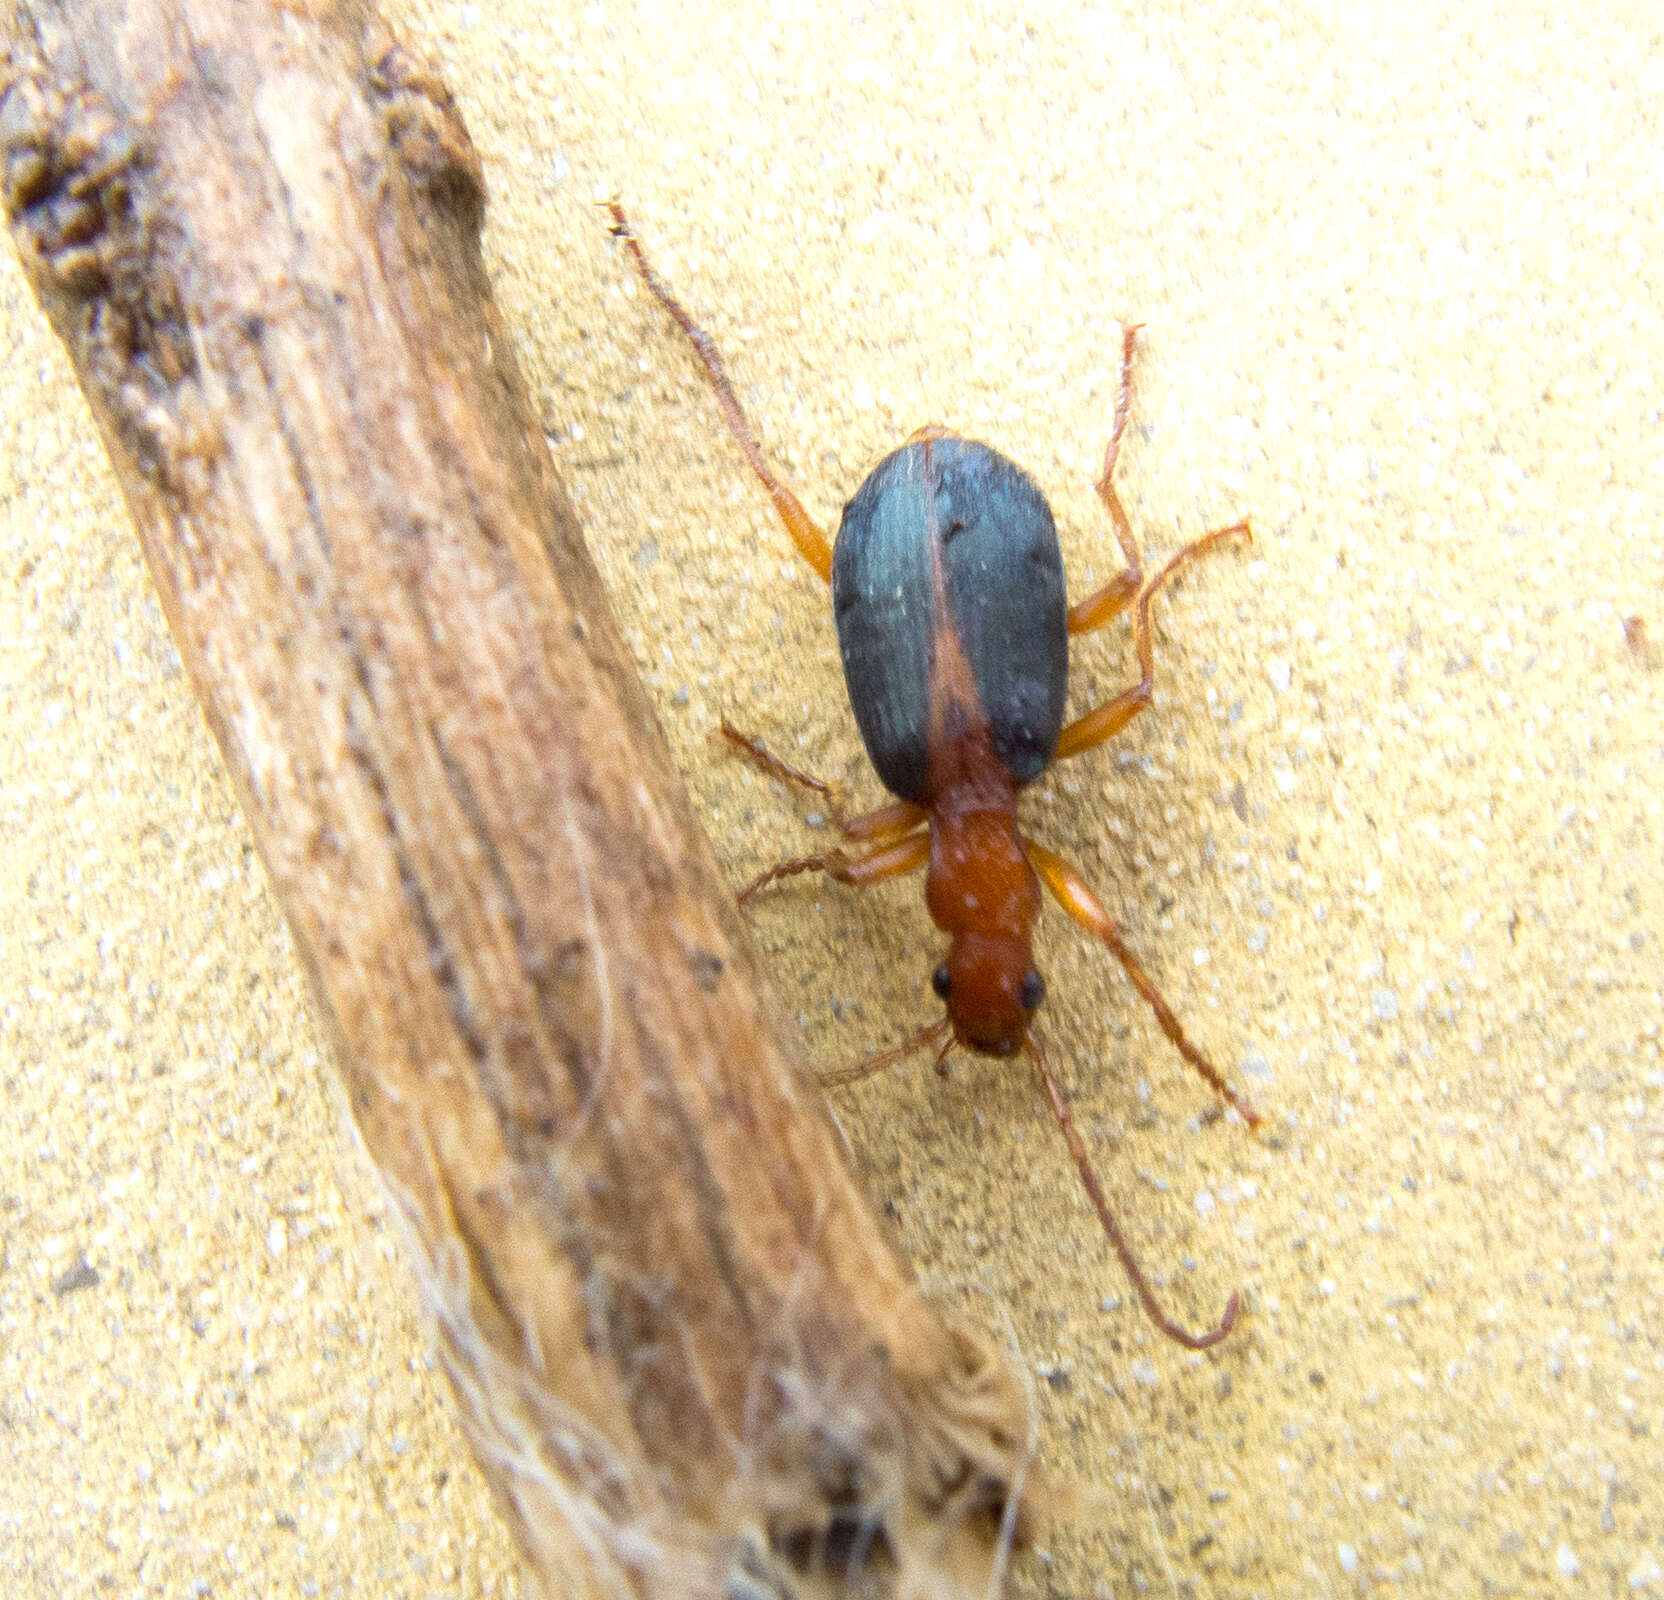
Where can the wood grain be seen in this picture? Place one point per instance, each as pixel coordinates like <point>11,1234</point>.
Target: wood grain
<point>689,1361</point>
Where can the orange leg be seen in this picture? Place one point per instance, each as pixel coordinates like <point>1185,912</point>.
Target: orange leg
<point>1129,1263</point>
<point>1125,588</point>
<point>806,534</point>
<point>1109,602</point>
<point>883,826</point>
<point>894,860</point>
<point>1105,721</point>
<point>1070,891</point>
<point>765,758</point>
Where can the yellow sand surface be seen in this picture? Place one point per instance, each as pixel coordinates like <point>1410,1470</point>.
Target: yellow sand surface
<point>1391,839</point>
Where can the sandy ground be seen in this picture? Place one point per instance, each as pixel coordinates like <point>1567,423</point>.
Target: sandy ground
<point>1391,839</point>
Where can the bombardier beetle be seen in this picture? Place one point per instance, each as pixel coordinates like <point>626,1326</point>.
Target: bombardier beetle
<point>953,624</point>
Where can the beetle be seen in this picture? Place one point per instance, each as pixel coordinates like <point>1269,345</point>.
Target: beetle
<point>953,624</point>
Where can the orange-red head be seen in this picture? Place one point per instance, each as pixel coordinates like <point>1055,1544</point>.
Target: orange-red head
<point>991,991</point>
<point>983,894</point>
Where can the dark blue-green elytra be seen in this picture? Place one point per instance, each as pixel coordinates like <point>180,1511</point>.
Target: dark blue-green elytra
<point>1003,577</point>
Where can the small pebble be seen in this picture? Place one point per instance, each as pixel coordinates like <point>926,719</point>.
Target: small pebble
<point>1565,1558</point>
<point>1348,1558</point>
<point>1647,1574</point>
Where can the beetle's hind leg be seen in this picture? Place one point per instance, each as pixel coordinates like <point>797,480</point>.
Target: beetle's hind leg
<point>805,532</point>
<point>1127,587</point>
<point>1070,891</point>
<point>1106,604</point>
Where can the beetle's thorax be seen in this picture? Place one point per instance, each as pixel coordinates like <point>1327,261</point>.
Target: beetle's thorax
<point>979,879</point>
<point>981,890</point>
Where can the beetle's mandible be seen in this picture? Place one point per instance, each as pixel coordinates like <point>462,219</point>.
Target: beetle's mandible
<point>954,624</point>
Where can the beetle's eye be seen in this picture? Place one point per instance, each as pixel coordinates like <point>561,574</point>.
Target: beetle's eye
<point>940,982</point>
<point>1032,992</point>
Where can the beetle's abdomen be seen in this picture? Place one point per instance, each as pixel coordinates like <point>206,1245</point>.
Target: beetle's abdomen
<point>1002,580</point>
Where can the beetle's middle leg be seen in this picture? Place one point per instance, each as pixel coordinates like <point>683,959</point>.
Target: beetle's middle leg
<point>756,751</point>
<point>883,826</point>
<point>805,532</point>
<point>1105,721</point>
<point>893,834</point>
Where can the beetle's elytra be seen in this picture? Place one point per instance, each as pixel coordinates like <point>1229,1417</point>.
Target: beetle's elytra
<point>953,624</point>
<point>951,503</point>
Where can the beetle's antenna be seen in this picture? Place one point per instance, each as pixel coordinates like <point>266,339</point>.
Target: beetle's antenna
<point>916,1040</point>
<point>1129,1264</point>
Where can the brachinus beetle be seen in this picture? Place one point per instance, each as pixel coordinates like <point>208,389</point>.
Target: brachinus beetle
<point>953,623</point>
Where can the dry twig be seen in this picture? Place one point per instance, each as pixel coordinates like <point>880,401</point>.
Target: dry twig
<point>688,1361</point>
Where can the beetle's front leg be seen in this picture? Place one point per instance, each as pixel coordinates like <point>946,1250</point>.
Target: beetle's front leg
<point>893,860</point>
<point>1070,891</point>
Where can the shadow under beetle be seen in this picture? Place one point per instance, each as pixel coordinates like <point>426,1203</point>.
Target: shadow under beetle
<point>953,624</point>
